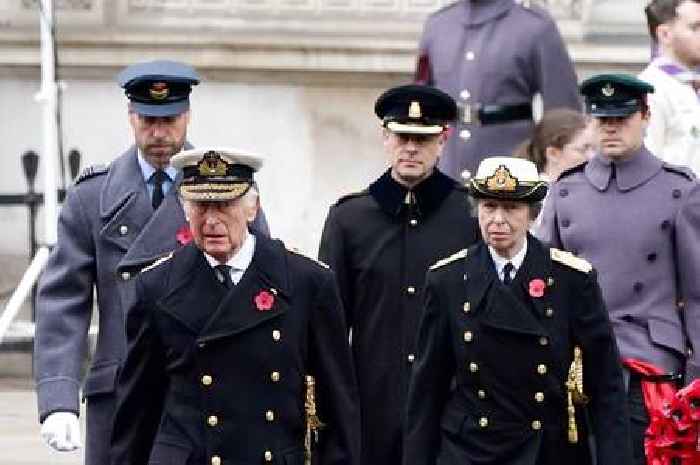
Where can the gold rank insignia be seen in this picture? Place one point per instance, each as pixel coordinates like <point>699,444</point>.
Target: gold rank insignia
<point>454,257</point>
<point>212,165</point>
<point>159,91</point>
<point>158,262</point>
<point>502,180</point>
<point>608,90</point>
<point>414,110</point>
<point>570,260</point>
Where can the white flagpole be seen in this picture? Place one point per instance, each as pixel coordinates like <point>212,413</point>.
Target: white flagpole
<point>48,97</point>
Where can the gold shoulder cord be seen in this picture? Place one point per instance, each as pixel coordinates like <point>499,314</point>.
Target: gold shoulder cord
<point>313,423</point>
<point>575,394</point>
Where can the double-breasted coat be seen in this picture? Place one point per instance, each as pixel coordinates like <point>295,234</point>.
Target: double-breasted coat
<point>639,226</point>
<point>107,217</point>
<point>213,375</point>
<point>380,249</point>
<point>488,385</point>
<point>494,52</point>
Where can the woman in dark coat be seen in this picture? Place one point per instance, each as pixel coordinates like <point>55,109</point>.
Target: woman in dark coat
<point>501,323</point>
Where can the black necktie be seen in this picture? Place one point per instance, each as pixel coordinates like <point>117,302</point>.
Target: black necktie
<point>223,274</point>
<point>507,270</point>
<point>613,170</point>
<point>159,177</point>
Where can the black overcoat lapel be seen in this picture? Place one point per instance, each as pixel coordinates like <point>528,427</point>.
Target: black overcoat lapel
<point>239,311</point>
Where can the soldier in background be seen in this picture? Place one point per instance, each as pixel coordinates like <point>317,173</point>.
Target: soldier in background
<point>380,242</point>
<point>637,220</point>
<point>493,57</point>
<point>124,212</point>
<point>673,133</point>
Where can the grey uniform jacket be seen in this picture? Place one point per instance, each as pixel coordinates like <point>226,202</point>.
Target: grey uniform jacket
<point>494,52</point>
<point>107,218</point>
<point>640,228</point>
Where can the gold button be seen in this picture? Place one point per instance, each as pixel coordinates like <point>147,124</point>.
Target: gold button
<point>537,425</point>
<point>466,307</point>
<point>276,335</point>
<point>483,422</point>
<point>549,313</point>
<point>411,290</point>
<point>469,55</point>
<point>126,275</point>
<point>411,358</point>
<point>481,393</point>
<point>468,336</point>
<point>544,341</point>
<point>413,222</point>
<point>473,367</point>
<point>207,380</point>
<point>268,456</point>
<point>201,345</point>
<point>465,134</point>
<point>123,230</point>
<point>275,376</point>
<point>270,415</point>
<point>550,281</point>
<point>539,397</point>
<point>215,460</point>
<point>542,369</point>
<point>213,420</point>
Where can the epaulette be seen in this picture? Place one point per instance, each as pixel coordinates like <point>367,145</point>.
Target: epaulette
<point>158,262</point>
<point>682,170</point>
<point>574,169</point>
<point>570,260</point>
<point>302,254</point>
<point>444,261</point>
<point>91,172</point>
<point>352,195</point>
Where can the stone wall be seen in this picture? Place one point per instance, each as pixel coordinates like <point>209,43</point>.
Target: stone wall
<point>294,80</point>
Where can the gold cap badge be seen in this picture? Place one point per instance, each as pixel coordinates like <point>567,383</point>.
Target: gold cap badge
<point>608,90</point>
<point>501,180</point>
<point>414,110</point>
<point>212,165</point>
<point>159,90</point>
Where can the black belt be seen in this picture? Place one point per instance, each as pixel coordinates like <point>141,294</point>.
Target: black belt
<point>479,114</point>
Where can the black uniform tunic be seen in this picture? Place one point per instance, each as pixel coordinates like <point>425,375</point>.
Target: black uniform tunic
<point>380,243</point>
<point>509,348</point>
<point>216,376</point>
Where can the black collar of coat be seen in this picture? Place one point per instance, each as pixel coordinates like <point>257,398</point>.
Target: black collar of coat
<point>509,309</point>
<point>429,194</point>
<point>225,312</point>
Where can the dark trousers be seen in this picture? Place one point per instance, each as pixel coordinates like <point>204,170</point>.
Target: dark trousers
<point>639,419</point>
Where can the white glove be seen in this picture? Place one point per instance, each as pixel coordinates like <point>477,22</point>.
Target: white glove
<point>61,431</point>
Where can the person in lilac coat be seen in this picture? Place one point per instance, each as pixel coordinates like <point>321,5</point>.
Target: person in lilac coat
<point>493,57</point>
<point>636,218</point>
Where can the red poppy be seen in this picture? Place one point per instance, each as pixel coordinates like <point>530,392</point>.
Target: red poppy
<point>183,235</point>
<point>536,288</point>
<point>264,301</point>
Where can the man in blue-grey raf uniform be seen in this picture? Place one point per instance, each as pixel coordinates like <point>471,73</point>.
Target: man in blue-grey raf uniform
<point>493,57</point>
<point>125,214</point>
<point>637,220</point>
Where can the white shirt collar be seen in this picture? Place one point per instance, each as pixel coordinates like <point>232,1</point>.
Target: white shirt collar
<point>240,262</point>
<point>500,262</point>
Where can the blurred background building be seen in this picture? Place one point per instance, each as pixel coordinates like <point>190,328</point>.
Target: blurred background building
<point>294,80</point>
